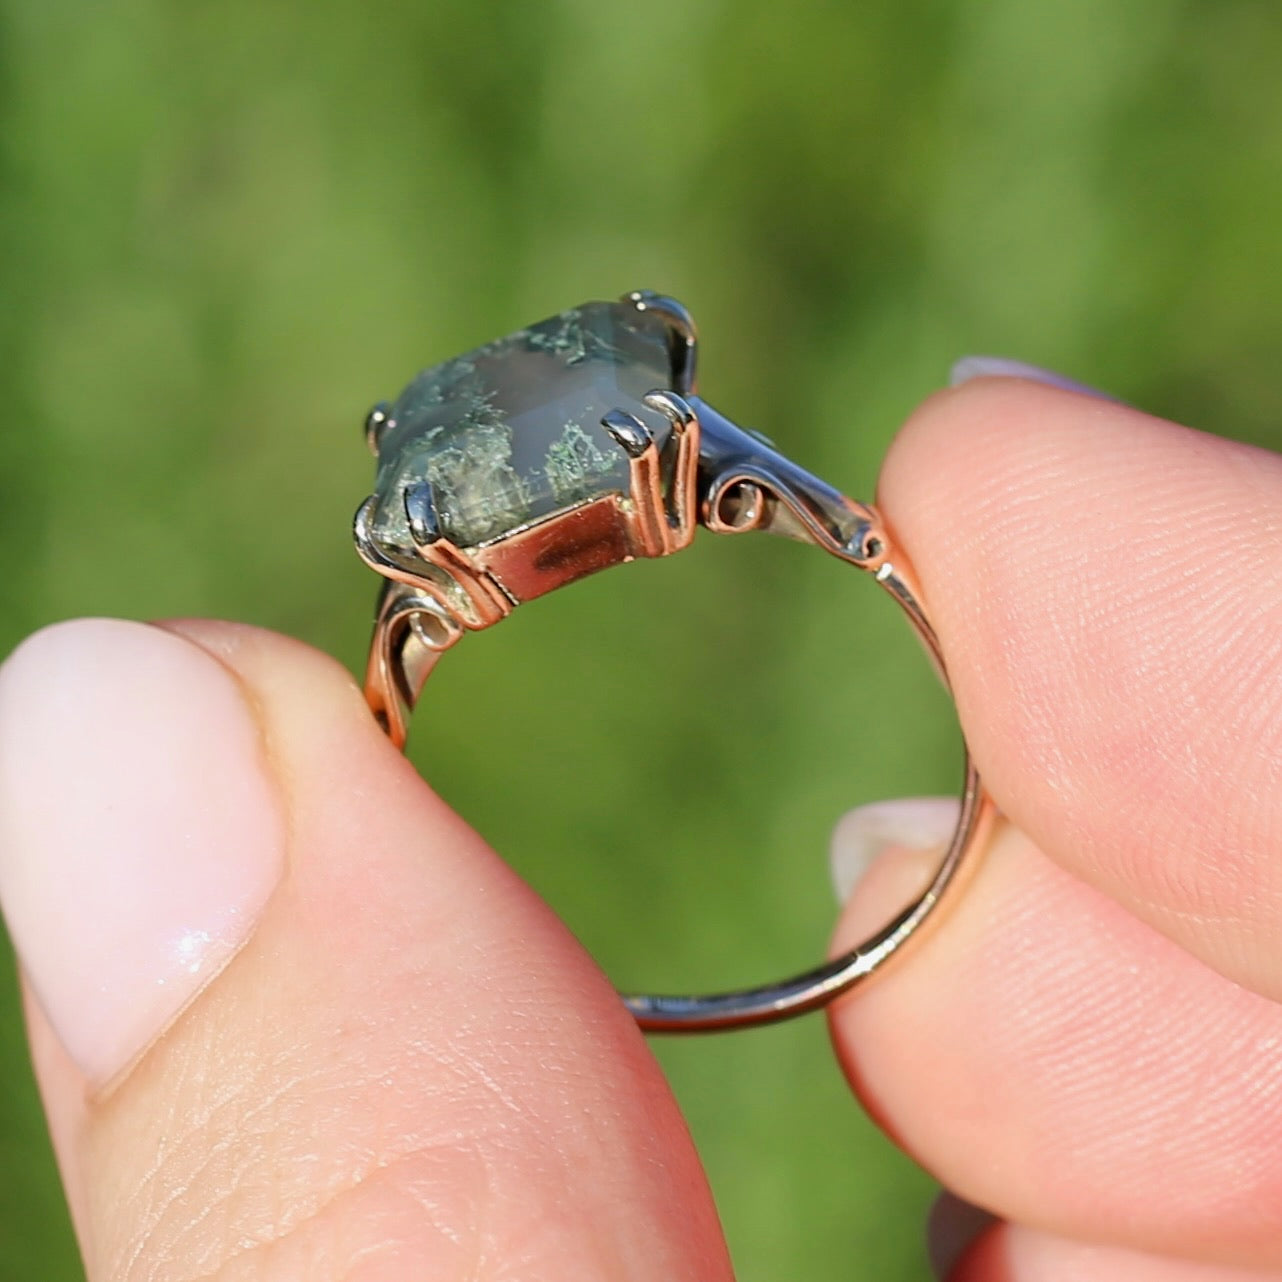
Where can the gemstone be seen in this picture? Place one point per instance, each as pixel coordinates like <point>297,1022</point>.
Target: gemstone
<point>511,433</point>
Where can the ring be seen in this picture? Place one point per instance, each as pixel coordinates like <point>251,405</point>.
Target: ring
<point>577,444</point>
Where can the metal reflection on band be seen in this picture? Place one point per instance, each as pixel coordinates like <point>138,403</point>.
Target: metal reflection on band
<point>630,479</point>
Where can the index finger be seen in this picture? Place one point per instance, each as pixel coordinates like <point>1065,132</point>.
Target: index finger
<point>1107,589</point>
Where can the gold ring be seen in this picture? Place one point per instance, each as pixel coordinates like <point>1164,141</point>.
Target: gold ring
<point>570,446</point>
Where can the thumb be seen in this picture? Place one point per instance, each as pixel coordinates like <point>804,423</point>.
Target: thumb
<point>291,1018</point>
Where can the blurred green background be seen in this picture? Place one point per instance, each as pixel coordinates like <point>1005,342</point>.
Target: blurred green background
<point>228,227</point>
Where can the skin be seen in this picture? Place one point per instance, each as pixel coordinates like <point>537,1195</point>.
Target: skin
<point>1090,1046</point>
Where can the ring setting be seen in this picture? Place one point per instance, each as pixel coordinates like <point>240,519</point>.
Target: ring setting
<point>568,447</point>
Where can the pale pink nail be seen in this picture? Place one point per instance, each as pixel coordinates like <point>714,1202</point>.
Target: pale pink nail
<point>140,833</point>
<point>970,367</point>
<point>913,823</point>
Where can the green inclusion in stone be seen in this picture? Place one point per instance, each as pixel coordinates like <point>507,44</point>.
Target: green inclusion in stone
<point>511,432</point>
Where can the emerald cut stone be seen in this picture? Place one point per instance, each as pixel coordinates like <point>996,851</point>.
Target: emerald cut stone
<point>511,432</point>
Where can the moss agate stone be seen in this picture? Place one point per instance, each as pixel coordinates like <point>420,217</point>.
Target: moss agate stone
<point>511,433</point>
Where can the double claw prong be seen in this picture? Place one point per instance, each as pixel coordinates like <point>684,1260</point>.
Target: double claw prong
<point>665,514</point>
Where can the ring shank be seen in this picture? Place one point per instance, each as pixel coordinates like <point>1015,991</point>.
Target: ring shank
<point>771,1003</point>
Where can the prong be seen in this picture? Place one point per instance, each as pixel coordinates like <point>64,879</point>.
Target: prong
<point>675,313</point>
<point>676,409</point>
<point>377,421</point>
<point>683,338</point>
<point>682,500</point>
<point>628,431</point>
<point>420,511</point>
<point>645,478</point>
<point>366,546</point>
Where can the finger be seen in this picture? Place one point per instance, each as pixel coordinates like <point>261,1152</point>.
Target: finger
<point>1059,1063</point>
<point>1107,588</point>
<point>953,1226</point>
<point>1011,1253</point>
<point>292,1018</point>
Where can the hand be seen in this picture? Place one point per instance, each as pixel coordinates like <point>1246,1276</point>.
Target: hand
<point>292,1019</point>
<point>1091,1045</point>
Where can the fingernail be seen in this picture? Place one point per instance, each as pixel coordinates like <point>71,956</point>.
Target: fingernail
<point>952,1227</point>
<point>915,823</point>
<point>140,833</point>
<point>970,367</point>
